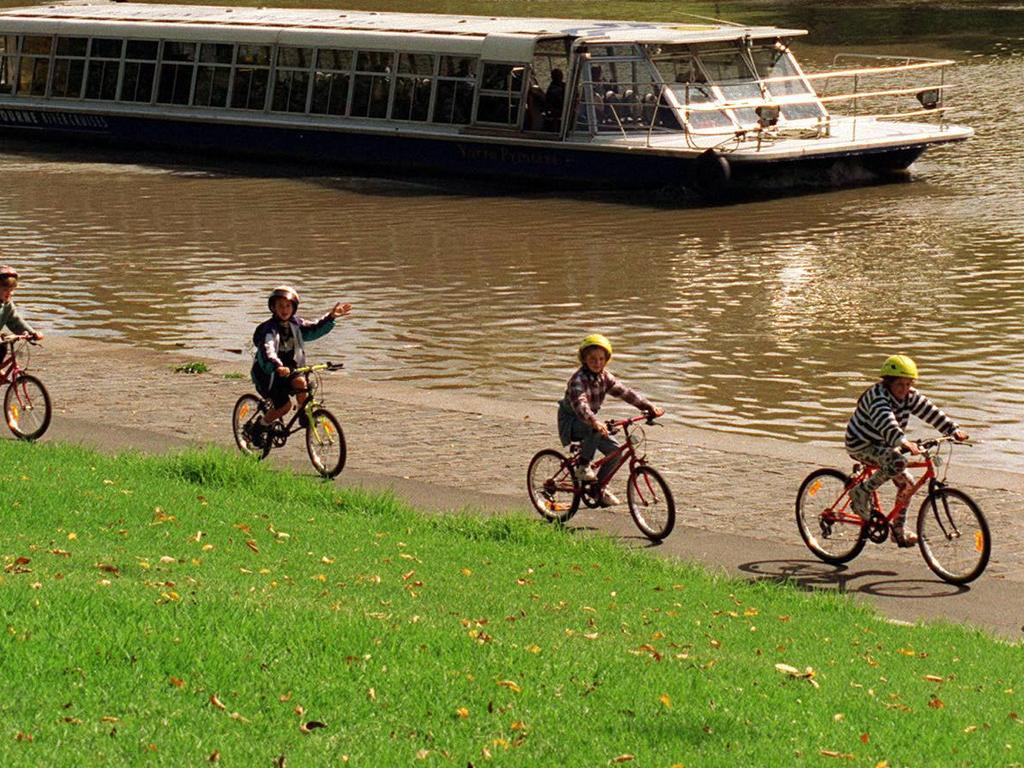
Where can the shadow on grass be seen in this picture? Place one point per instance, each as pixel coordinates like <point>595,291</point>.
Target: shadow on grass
<point>814,575</point>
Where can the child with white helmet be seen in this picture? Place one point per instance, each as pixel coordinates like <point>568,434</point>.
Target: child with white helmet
<point>279,350</point>
<point>876,434</point>
<point>584,394</point>
<point>9,315</point>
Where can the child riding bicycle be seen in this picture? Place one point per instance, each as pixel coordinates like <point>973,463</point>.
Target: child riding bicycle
<point>280,349</point>
<point>9,315</point>
<point>875,435</point>
<point>577,411</point>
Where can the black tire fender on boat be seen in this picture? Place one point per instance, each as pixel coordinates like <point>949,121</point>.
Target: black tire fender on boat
<point>711,173</point>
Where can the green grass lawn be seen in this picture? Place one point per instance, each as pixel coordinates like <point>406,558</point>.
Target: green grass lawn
<point>201,608</point>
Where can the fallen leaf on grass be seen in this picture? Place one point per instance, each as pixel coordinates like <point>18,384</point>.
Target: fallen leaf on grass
<point>22,736</point>
<point>177,682</point>
<point>214,756</point>
<point>251,544</point>
<point>60,552</point>
<point>109,568</point>
<point>217,702</point>
<point>312,725</point>
<point>168,559</point>
<point>512,686</point>
<point>666,701</point>
<point>622,759</point>
<point>833,753</point>
<point>934,679</point>
<point>808,673</point>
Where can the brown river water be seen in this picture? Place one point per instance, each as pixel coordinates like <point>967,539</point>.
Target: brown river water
<point>765,316</point>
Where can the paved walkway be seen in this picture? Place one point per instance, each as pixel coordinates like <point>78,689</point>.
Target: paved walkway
<point>443,450</point>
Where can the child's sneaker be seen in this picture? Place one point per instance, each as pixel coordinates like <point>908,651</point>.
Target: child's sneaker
<point>585,474</point>
<point>609,499</point>
<point>860,501</point>
<point>902,537</point>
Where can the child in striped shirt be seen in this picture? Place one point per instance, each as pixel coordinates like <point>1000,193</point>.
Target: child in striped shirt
<point>876,434</point>
<point>577,411</point>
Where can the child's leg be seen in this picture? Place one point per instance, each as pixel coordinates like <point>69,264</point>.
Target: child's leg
<point>300,388</point>
<point>890,463</point>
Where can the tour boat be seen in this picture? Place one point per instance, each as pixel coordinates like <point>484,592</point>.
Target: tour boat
<point>706,106</point>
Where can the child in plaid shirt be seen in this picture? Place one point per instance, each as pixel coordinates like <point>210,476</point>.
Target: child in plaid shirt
<point>577,411</point>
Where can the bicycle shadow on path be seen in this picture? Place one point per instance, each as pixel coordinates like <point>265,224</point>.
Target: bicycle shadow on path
<point>812,576</point>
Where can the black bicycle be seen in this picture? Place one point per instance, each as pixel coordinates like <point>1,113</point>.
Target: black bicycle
<point>325,440</point>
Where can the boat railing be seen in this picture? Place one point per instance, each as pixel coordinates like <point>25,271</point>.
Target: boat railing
<point>894,89</point>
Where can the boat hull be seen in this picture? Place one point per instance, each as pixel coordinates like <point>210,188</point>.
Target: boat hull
<point>543,163</point>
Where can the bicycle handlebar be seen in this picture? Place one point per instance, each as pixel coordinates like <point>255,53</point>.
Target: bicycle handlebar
<point>615,424</point>
<point>316,367</point>
<point>927,445</point>
<point>31,338</point>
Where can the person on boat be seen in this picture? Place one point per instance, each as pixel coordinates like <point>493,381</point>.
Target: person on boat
<point>875,435</point>
<point>279,343</point>
<point>577,411</point>
<point>554,98</point>
<point>9,315</point>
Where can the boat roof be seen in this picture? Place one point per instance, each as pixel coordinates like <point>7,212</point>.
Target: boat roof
<point>498,38</point>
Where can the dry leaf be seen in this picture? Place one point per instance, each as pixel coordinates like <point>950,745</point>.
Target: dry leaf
<point>217,702</point>
<point>177,682</point>
<point>665,700</point>
<point>251,544</point>
<point>622,759</point>
<point>312,725</point>
<point>833,753</point>
<point>214,756</point>
<point>510,685</point>
<point>462,712</point>
<point>934,679</point>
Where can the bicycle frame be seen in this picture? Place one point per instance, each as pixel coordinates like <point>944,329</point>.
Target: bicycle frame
<point>9,368</point>
<point>312,401</point>
<point>840,511</point>
<point>617,458</point>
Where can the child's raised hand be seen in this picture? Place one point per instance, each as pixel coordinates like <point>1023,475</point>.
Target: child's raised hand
<point>340,309</point>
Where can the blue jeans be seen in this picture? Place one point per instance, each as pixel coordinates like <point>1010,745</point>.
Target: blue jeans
<point>572,429</point>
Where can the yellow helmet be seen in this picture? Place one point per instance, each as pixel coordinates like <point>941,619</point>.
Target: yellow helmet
<point>901,366</point>
<point>595,340</point>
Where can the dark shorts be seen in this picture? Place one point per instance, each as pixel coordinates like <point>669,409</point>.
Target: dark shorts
<point>277,389</point>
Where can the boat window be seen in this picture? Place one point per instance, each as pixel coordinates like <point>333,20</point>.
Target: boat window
<point>251,76</point>
<point>103,68</point>
<point>775,62</point>
<point>456,79</point>
<point>413,86</point>
<point>291,79</point>
<point>213,75</point>
<point>623,96</point>
<point>34,67</point>
<point>139,71</point>
<point>729,71</point>
<point>500,94</point>
<point>7,49</point>
<point>69,67</point>
<point>176,69</point>
<point>331,82</point>
<point>371,85</point>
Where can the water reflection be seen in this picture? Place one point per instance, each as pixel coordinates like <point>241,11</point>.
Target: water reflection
<point>767,316</point>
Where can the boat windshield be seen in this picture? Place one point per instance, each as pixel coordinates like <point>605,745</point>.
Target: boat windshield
<point>700,77</point>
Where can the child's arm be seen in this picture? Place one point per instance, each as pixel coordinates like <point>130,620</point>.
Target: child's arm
<point>931,414</point>
<point>17,324</point>
<point>323,326</point>
<point>635,399</point>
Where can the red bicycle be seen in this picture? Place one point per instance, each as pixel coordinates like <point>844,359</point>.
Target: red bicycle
<point>26,402</point>
<point>952,532</point>
<point>556,493</point>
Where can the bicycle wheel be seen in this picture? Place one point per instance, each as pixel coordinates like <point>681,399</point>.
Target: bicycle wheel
<point>829,528</point>
<point>325,443</point>
<point>27,407</point>
<point>651,503</point>
<point>245,418</point>
<point>554,490</point>
<point>953,536</point>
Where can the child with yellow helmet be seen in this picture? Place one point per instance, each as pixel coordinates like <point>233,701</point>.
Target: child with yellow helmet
<point>584,394</point>
<point>875,435</point>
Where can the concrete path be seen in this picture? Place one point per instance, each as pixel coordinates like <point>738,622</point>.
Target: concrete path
<point>444,450</point>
